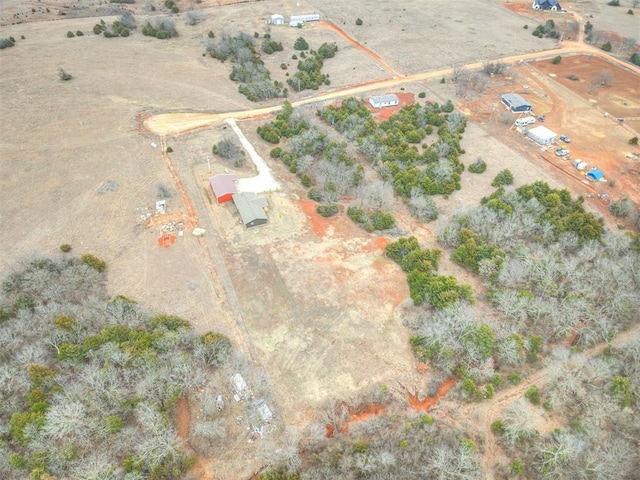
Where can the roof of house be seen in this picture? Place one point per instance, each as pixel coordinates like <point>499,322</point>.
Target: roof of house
<point>515,100</point>
<point>541,132</point>
<point>550,2</point>
<point>223,184</point>
<point>385,98</point>
<point>250,206</point>
<point>595,174</point>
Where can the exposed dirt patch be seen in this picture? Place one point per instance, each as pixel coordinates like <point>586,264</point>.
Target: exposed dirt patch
<point>597,139</point>
<point>382,114</point>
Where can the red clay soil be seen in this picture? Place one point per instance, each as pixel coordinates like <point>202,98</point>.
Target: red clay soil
<point>428,402</point>
<point>319,224</point>
<point>183,418</point>
<point>382,114</point>
<point>369,410</point>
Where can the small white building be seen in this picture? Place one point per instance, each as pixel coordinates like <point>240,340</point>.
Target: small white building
<point>298,20</point>
<point>541,135</point>
<point>380,101</point>
<point>275,19</point>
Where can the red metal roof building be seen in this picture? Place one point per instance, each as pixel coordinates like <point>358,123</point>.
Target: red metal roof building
<point>223,186</point>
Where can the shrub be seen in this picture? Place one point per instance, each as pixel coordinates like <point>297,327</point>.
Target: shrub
<point>614,3</point>
<point>478,166</point>
<point>422,95</point>
<point>270,46</point>
<point>169,150</point>
<point>621,208</point>
<point>79,33</point>
<point>358,21</point>
<point>97,29</point>
<point>211,34</point>
<point>442,80</point>
<point>633,141</point>
<point>70,34</point>
<point>534,348</point>
<point>630,12</point>
<point>175,9</point>
<point>300,44</point>
<point>533,395</point>
<point>516,467</point>
<point>327,50</point>
<point>327,210</point>
<point>65,247</point>
<point>515,378</point>
<point>606,47</point>
<point>505,177</point>
<point>93,262</point>
<point>497,427</point>
<point>621,389</point>
<point>64,76</point>
<point>314,194</point>
<point>556,60</point>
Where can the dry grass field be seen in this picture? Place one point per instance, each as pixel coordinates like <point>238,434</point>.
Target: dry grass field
<point>320,304</point>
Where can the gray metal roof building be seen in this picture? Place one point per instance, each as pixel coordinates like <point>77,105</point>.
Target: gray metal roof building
<point>251,209</point>
<point>516,103</point>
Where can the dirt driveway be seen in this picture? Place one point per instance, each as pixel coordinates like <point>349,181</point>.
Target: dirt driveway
<point>569,109</point>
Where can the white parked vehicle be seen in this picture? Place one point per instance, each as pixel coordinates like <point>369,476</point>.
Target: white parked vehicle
<point>524,121</point>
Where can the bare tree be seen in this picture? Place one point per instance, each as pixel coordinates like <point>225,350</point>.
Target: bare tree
<point>193,16</point>
<point>605,77</point>
<point>422,207</point>
<point>375,196</point>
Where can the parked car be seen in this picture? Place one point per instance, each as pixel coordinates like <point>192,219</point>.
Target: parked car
<point>541,118</point>
<point>565,139</point>
<point>561,152</point>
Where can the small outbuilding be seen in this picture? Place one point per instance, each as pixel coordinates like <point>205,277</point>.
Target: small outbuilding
<point>380,101</point>
<point>251,209</point>
<point>541,135</point>
<point>223,186</point>
<point>275,19</point>
<point>516,103</point>
<point>299,20</point>
<point>596,175</point>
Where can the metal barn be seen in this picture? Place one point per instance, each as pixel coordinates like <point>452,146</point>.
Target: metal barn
<point>516,103</point>
<point>223,186</point>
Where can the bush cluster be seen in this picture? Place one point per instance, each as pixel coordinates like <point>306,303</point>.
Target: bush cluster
<point>248,69</point>
<point>425,285</point>
<point>160,29</point>
<point>376,220</point>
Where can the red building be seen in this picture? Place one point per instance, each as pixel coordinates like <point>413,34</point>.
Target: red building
<point>223,186</point>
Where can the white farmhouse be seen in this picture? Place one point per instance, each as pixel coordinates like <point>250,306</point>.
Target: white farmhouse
<point>380,101</point>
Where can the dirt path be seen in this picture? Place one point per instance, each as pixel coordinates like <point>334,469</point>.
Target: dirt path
<point>359,46</point>
<point>180,123</point>
<point>482,415</point>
